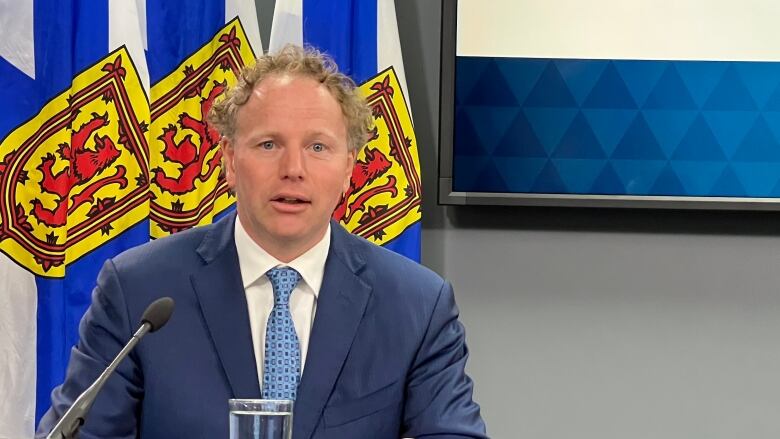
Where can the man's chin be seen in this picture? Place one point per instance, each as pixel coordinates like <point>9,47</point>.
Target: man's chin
<point>297,234</point>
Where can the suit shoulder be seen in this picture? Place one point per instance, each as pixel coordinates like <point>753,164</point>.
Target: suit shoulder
<point>162,252</point>
<point>391,268</point>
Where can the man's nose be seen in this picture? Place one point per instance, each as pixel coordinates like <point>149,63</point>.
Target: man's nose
<point>292,164</point>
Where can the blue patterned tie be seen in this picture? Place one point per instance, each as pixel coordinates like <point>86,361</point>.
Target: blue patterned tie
<point>282,365</point>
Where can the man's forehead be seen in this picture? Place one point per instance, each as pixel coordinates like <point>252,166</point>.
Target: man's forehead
<point>280,81</point>
<point>279,97</point>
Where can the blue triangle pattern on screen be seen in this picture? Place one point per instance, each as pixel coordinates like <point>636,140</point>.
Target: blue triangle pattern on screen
<point>620,127</point>
<point>580,78</point>
<point>610,91</point>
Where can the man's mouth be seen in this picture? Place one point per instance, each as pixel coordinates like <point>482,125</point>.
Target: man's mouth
<point>289,200</point>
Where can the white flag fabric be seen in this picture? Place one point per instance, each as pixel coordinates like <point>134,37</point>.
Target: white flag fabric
<point>18,302</point>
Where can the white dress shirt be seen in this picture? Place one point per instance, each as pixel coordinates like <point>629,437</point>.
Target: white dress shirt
<point>254,262</point>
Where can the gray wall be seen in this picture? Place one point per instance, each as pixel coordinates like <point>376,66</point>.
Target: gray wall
<point>602,324</point>
<point>595,324</point>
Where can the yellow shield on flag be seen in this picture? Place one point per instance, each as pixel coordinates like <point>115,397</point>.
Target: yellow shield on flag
<point>187,186</point>
<point>75,175</point>
<point>384,194</point>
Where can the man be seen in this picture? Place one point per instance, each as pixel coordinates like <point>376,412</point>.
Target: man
<point>373,345</point>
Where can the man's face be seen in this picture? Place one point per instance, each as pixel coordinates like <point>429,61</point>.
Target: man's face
<point>288,163</point>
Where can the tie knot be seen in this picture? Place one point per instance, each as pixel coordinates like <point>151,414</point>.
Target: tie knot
<point>283,281</point>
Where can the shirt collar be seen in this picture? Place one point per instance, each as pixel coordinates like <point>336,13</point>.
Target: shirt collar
<point>254,261</point>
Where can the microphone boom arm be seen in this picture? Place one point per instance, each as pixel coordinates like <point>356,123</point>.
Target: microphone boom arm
<point>68,426</point>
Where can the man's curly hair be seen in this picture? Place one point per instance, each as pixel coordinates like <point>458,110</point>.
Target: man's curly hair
<point>306,62</point>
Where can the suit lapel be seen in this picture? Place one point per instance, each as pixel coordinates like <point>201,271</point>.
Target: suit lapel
<point>340,307</point>
<point>223,304</point>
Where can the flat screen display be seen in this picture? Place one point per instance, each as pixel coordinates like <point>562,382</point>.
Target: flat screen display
<point>620,103</point>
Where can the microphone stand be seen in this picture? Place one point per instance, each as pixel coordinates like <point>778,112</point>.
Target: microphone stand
<point>70,423</point>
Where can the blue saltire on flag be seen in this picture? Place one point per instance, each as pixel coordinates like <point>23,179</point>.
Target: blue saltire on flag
<point>362,37</point>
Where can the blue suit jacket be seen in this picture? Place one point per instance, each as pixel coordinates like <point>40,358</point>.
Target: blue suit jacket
<point>386,356</point>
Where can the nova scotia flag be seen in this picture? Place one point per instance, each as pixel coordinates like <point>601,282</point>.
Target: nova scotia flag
<point>51,250</point>
<point>78,159</point>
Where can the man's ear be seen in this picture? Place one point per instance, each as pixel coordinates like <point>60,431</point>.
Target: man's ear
<point>228,168</point>
<point>351,161</point>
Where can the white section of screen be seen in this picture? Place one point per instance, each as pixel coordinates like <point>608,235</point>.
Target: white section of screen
<point>718,30</point>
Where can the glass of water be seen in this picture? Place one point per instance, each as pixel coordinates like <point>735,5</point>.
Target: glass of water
<point>260,419</point>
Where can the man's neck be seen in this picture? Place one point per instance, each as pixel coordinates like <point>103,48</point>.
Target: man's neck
<point>284,250</point>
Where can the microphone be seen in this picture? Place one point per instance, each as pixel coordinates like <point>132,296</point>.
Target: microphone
<point>154,318</point>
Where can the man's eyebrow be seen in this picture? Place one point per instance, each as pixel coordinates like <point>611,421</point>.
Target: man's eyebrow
<point>257,135</point>
<point>319,133</point>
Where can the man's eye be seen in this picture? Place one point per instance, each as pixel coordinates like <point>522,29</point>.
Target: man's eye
<point>318,147</point>
<point>267,145</point>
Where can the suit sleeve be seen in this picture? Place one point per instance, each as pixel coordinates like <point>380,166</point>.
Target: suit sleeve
<point>103,331</point>
<point>439,393</point>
